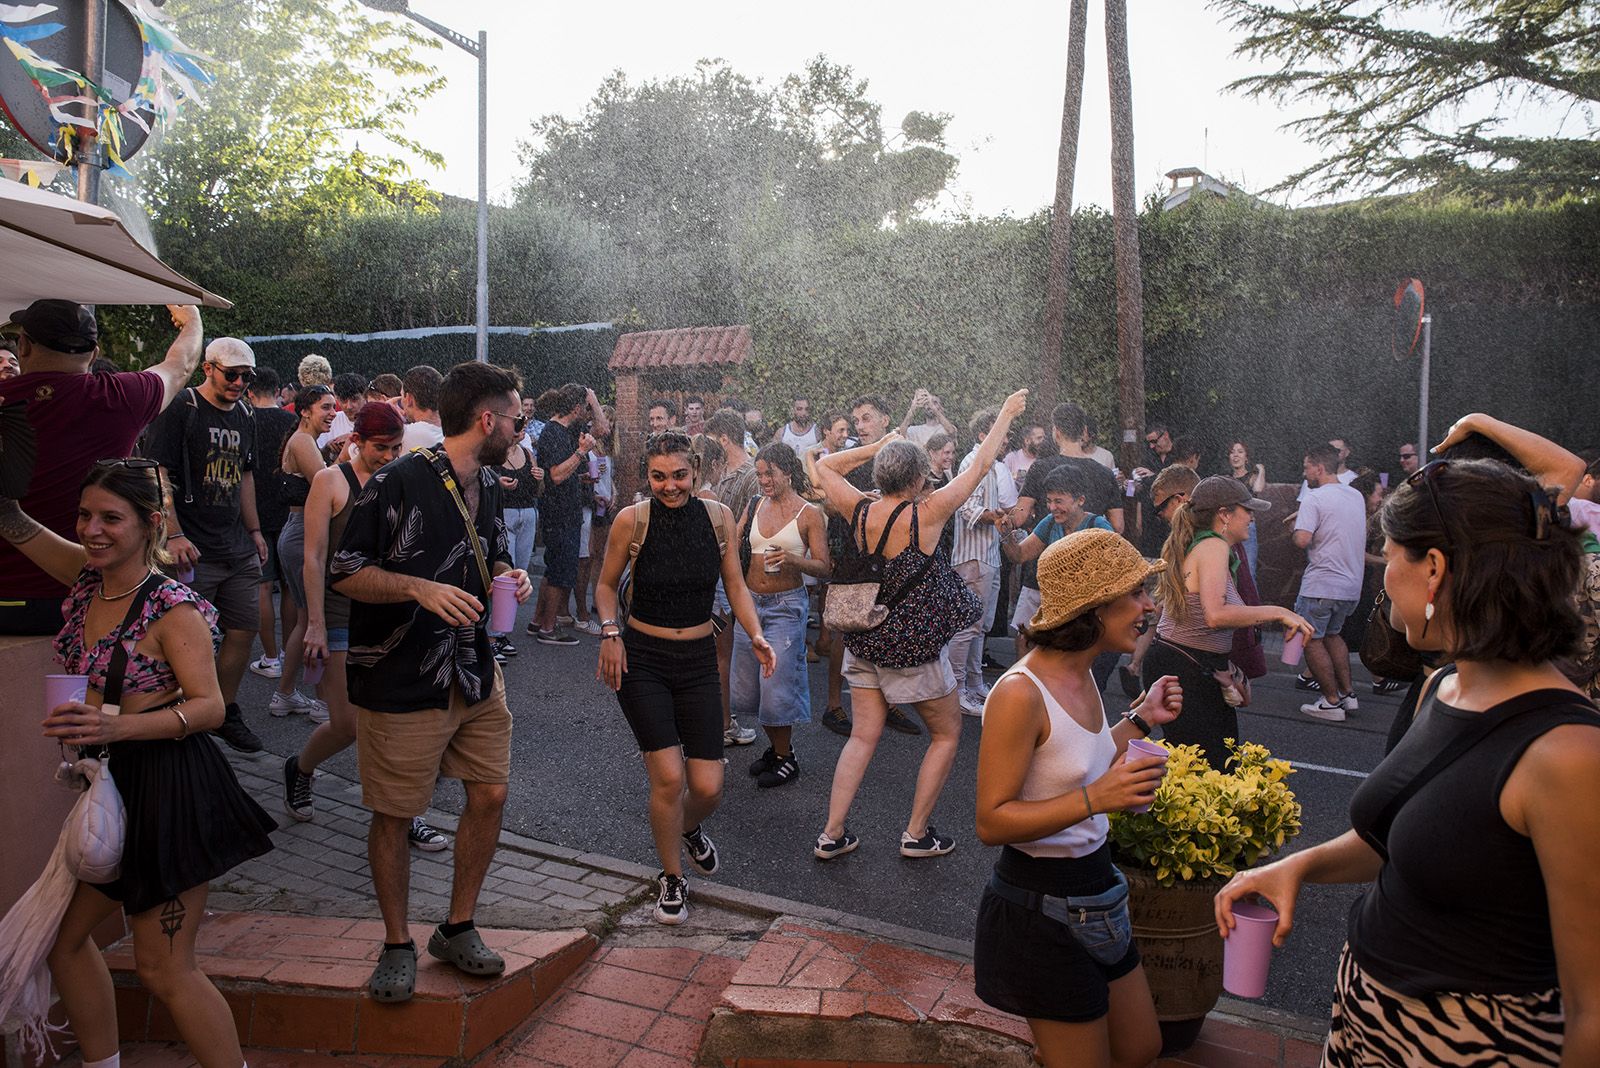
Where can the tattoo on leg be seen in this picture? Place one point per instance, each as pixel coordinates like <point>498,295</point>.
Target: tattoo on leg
<point>172,914</point>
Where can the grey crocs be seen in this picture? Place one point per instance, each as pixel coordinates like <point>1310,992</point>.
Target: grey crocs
<point>395,977</point>
<point>467,952</point>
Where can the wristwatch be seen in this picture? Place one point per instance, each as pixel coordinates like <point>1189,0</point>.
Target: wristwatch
<point>1138,721</point>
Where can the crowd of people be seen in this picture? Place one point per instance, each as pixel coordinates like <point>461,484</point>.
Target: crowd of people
<point>359,529</point>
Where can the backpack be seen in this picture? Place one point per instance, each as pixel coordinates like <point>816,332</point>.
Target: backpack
<point>641,527</point>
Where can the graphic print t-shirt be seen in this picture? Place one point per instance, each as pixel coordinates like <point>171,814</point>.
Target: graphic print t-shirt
<point>206,491</point>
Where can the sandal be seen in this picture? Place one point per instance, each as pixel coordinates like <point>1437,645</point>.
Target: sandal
<point>395,977</point>
<point>467,952</point>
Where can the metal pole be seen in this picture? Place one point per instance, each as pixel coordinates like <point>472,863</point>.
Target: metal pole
<point>1422,419</point>
<point>89,151</point>
<point>483,197</point>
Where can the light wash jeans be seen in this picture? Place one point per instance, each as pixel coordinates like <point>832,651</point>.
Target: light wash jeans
<point>966,648</point>
<point>785,699</point>
<point>521,526</point>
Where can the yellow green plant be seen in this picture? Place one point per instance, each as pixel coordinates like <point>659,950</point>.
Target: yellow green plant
<point>1206,823</point>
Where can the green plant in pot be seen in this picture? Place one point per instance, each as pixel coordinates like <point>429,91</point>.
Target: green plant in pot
<point>1204,825</point>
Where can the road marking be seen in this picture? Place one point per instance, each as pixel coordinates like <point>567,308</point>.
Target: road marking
<point>1298,766</point>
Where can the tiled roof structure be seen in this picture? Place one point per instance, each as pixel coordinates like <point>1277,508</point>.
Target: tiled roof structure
<point>690,346</point>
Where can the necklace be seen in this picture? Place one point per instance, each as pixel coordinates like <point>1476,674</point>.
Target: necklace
<point>127,593</point>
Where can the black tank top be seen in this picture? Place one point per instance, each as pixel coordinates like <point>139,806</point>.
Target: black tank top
<point>1460,905</point>
<point>526,492</point>
<point>675,576</point>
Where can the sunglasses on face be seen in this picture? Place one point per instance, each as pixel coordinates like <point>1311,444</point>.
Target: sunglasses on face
<point>1162,505</point>
<point>518,422</point>
<point>234,374</point>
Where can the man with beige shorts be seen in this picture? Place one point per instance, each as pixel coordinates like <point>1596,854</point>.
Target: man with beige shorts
<point>429,698</point>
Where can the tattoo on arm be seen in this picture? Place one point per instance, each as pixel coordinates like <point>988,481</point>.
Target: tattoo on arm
<point>16,526</point>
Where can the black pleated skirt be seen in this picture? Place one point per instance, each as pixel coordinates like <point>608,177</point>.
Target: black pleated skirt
<point>189,820</point>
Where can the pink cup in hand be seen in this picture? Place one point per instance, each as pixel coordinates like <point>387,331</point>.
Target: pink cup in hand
<point>1247,954</point>
<point>503,605</point>
<point>59,689</point>
<point>1294,648</point>
<point>185,575</point>
<point>1138,749</point>
<point>312,673</point>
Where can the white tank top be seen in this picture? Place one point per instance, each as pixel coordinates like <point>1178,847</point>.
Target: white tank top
<point>1070,758</point>
<point>788,538</point>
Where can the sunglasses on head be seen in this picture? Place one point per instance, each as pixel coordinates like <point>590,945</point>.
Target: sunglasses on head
<point>1545,514</point>
<point>235,374</point>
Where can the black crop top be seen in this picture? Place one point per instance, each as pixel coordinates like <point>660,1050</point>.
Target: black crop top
<point>675,576</point>
<point>293,490</point>
<point>1460,905</point>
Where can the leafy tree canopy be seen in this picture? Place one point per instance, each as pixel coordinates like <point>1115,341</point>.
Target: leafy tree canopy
<point>1411,108</point>
<point>308,115</point>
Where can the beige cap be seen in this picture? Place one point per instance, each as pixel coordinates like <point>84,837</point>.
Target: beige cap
<point>1087,568</point>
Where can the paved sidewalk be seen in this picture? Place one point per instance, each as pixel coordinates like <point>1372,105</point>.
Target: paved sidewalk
<point>645,998</point>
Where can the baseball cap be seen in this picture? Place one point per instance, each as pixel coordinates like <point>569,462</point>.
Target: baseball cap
<point>1220,491</point>
<point>60,325</point>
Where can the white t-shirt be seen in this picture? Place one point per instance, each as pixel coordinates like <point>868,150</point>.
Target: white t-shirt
<point>922,433</point>
<point>1345,478</point>
<point>341,426</point>
<point>1336,558</point>
<point>1104,458</point>
<point>422,436</point>
<point>800,442</point>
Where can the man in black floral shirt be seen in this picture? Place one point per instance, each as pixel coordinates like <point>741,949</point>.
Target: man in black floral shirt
<point>430,700</point>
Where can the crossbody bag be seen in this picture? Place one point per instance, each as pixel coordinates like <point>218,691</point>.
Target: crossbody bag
<point>448,477</point>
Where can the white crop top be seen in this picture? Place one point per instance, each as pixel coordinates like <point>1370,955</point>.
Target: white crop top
<point>1070,758</point>
<point>788,538</point>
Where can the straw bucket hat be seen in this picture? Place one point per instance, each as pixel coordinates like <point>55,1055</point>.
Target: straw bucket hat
<point>1085,569</point>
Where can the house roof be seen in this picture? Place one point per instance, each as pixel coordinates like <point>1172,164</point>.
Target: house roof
<point>690,346</point>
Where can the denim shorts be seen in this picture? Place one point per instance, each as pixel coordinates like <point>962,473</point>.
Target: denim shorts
<point>1325,614</point>
<point>338,639</point>
<point>785,698</point>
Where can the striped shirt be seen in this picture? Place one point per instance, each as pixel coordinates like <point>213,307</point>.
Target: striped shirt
<point>978,542</point>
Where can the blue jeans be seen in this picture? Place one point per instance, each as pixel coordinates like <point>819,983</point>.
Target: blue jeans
<point>785,698</point>
<point>521,525</point>
<point>1252,548</point>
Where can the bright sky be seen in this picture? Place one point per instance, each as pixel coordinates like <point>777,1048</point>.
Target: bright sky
<point>999,71</point>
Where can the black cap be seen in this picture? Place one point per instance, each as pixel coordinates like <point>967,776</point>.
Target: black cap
<point>60,325</point>
<point>1220,491</point>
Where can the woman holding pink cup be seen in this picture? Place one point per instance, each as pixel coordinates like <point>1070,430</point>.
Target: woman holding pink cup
<point>1054,941</point>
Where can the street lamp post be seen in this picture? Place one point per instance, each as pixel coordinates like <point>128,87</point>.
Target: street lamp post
<point>479,49</point>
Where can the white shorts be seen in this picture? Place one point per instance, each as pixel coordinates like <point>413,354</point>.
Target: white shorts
<point>583,533</point>
<point>1027,608</point>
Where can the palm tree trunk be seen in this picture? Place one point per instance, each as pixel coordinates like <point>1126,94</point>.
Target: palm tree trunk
<point>1059,274</point>
<point>1125,236</point>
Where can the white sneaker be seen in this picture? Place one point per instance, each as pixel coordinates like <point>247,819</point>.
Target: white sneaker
<point>1320,709</point>
<point>318,712</point>
<point>971,704</point>
<point>737,735</point>
<point>589,627</point>
<point>286,704</point>
<point>1348,702</point>
<point>267,669</point>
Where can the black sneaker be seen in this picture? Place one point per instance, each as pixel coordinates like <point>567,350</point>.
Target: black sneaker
<point>931,844</point>
<point>764,762</point>
<point>555,637</point>
<point>236,733</point>
<point>495,648</point>
<point>672,899</point>
<point>991,664</point>
<point>1387,685</point>
<point>836,721</point>
<point>782,772</point>
<point>426,838</point>
<point>702,850</point>
<point>1310,685</point>
<point>296,790</point>
<point>506,648</point>
<point>901,722</point>
<point>828,848</point>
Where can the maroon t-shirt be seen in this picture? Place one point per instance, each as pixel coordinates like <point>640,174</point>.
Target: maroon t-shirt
<point>76,419</point>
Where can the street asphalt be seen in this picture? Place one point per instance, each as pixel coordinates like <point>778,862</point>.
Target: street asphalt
<point>578,781</point>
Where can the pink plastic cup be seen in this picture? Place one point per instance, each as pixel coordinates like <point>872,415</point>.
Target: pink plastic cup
<point>311,672</point>
<point>1247,954</point>
<point>503,605</point>
<point>185,575</point>
<point>59,689</point>
<point>1294,649</point>
<point>1138,749</point>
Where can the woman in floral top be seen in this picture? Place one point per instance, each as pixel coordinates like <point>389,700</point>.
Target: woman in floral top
<point>188,821</point>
